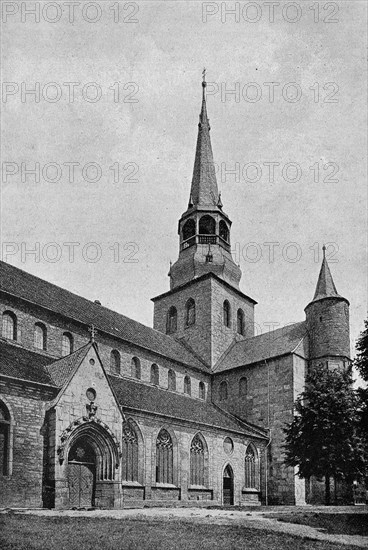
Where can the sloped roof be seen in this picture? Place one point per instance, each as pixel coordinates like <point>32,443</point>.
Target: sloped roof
<point>61,370</point>
<point>136,395</point>
<point>325,285</point>
<point>23,364</point>
<point>33,289</point>
<point>20,363</point>
<point>265,346</point>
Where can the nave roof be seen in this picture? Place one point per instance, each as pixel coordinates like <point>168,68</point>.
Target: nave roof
<point>32,289</point>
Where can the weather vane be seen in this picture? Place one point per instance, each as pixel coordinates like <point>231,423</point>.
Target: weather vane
<point>204,74</point>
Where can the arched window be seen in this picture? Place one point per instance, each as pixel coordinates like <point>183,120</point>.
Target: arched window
<point>189,229</point>
<point>251,476</point>
<point>171,379</point>
<point>164,458</point>
<point>223,391</point>
<point>197,450</point>
<point>172,320</point>
<point>224,231</point>
<point>187,385</point>
<point>40,336</point>
<point>135,368</point>
<point>155,378</point>
<point>67,344</point>
<point>9,325</point>
<point>226,314</point>
<point>190,312</point>
<point>130,453</point>
<point>115,362</point>
<point>240,321</point>
<point>4,439</point>
<point>243,386</point>
<point>202,391</point>
<point>207,225</point>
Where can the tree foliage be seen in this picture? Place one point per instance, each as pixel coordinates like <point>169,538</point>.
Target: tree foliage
<point>324,440</point>
<point>361,364</point>
<point>361,361</point>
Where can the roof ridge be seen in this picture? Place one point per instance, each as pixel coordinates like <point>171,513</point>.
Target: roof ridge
<point>92,302</point>
<point>298,344</point>
<point>237,419</point>
<point>281,341</point>
<point>187,346</point>
<point>270,331</point>
<point>223,355</point>
<point>64,357</point>
<point>58,376</point>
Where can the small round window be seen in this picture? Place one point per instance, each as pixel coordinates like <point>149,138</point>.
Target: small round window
<point>91,361</point>
<point>91,394</point>
<point>228,445</point>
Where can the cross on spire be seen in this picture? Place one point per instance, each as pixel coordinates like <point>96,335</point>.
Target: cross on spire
<point>93,331</point>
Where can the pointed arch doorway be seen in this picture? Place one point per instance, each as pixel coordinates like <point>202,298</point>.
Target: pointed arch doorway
<point>81,474</point>
<point>228,486</point>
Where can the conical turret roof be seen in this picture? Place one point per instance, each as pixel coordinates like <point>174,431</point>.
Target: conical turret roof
<point>325,285</point>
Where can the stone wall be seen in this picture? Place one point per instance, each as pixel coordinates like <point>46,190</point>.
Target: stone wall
<point>71,414</point>
<point>328,328</point>
<point>147,358</point>
<point>29,314</point>
<point>208,337</point>
<point>39,477</point>
<point>269,402</point>
<point>26,404</point>
<point>217,459</point>
<point>197,335</point>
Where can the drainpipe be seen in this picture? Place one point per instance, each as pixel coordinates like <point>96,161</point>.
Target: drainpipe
<point>266,468</point>
<point>269,431</point>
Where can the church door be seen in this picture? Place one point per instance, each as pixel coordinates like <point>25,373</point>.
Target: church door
<point>228,486</point>
<point>81,485</point>
<point>81,475</point>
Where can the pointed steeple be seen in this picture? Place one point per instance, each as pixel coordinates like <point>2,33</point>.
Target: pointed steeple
<point>325,286</point>
<point>204,190</point>
<point>204,228</point>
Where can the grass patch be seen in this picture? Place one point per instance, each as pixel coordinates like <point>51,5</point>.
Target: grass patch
<point>334,524</point>
<point>21,532</point>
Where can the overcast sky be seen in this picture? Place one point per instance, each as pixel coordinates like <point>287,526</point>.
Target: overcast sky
<point>152,58</point>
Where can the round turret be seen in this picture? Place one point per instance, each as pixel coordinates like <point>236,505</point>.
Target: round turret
<point>327,317</point>
<point>328,328</point>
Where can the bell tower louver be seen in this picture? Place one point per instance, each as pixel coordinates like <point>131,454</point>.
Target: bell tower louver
<point>205,306</point>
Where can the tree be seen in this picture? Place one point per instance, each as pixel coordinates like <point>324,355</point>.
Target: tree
<point>361,361</point>
<point>323,439</point>
<point>361,364</point>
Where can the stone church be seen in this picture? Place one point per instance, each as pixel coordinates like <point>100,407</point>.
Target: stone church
<point>98,410</point>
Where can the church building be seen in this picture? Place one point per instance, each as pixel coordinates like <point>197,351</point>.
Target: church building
<point>98,410</point>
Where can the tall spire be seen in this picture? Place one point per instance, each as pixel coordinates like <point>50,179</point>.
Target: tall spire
<point>204,190</point>
<point>204,228</point>
<point>325,286</point>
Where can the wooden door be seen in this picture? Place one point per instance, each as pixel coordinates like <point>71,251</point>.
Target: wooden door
<point>81,484</point>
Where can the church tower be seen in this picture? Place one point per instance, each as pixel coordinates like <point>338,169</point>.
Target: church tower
<point>204,306</point>
<point>327,317</point>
